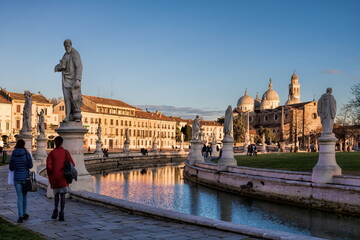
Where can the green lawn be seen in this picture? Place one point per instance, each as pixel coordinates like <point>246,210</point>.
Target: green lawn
<point>9,231</point>
<point>304,162</point>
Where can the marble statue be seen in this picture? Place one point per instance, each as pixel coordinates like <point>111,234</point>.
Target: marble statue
<point>127,139</point>
<point>327,111</point>
<point>71,67</point>
<point>41,123</point>
<point>26,127</point>
<point>228,122</point>
<point>98,132</point>
<point>196,129</point>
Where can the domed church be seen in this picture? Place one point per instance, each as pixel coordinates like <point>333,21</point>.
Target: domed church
<point>294,123</point>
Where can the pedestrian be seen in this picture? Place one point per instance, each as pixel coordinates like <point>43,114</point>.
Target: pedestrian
<point>20,163</point>
<point>55,169</point>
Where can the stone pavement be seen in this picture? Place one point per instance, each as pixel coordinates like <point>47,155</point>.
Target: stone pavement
<point>89,221</point>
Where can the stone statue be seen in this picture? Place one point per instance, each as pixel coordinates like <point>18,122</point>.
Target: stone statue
<point>98,132</point>
<point>71,67</point>
<point>127,139</point>
<point>327,111</point>
<point>228,122</point>
<point>41,123</point>
<point>26,127</point>
<point>196,129</point>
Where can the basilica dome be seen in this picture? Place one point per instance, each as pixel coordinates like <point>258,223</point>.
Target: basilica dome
<point>246,103</point>
<point>246,99</point>
<point>270,94</point>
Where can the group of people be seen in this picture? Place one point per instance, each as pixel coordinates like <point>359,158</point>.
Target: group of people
<point>251,150</point>
<point>206,151</point>
<point>105,152</point>
<point>21,163</point>
<point>144,151</point>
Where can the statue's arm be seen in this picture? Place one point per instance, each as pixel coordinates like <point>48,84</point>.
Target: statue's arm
<point>78,66</point>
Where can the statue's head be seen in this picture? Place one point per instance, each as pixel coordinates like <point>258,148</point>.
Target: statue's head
<point>329,90</point>
<point>68,45</point>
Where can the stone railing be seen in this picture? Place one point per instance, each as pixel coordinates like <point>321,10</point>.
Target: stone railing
<point>293,187</point>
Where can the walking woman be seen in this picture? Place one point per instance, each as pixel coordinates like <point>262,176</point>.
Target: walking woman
<point>20,163</point>
<point>55,169</point>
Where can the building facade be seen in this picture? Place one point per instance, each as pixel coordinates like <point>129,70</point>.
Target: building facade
<point>295,122</point>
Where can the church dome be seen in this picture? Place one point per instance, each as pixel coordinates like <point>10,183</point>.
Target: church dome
<point>245,100</point>
<point>270,94</point>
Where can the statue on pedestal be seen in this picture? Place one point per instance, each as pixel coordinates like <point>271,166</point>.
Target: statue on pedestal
<point>71,67</point>
<point>327,111</point>
<point>196,129</point>
<point>41,124</point>
<point>27,112</point>
<point>98,132</point>
<point>127,139</point>
<point>228,123</point>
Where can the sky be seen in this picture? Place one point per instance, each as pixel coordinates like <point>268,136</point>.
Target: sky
<point>184,58</point>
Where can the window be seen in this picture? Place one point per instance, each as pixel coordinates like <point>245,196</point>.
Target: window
<point>117,122</point>
<point>45,111</point>
<point>18,108</point>
<point>7,125</point>
<point>117,132</point>
<point>125,123</point>
<point>275,117</point>
<point>111,122</point>
<point>314,115</point>
<point>265,118</point>
<point>18,124</point>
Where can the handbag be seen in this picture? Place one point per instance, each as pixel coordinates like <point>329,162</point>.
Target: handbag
<point>70,172</point>
<point>30,184</point>
<point>11,177</point>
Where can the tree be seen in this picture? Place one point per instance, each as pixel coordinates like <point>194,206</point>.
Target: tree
<point>239,130</point>
<point>187,131</point>
<point>350,112</point>
<point>55,101</point>
<point>221,120</point>
<point>178,134</point>
<point>268,135</point>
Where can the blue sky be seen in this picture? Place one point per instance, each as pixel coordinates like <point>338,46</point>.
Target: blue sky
<point>183,57</point>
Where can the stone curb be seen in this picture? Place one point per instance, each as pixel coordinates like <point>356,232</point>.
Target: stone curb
<point>136,208</point>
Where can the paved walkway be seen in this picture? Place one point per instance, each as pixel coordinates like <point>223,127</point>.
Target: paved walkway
<point>88,221</point>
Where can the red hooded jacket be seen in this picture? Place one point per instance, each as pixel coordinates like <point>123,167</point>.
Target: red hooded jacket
<point>55,167</point>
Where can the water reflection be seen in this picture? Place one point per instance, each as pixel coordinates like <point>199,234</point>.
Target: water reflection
<point>165,188</point>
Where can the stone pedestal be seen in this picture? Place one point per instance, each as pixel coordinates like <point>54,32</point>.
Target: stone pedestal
<point>98,148</point>
<point>73,134</point>
<point>195,152</point>
<point>27,137</point>
<point>126,147</point>
<point>326,166</point>
<point>181,150</point>
<point>282,146</point>
<point>227,156</point>
<point>41,154</point>
<point>214,152</point>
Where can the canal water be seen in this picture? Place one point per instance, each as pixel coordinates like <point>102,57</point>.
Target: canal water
<point>164,187</point>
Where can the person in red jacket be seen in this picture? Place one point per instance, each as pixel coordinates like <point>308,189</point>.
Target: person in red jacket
<point>55,169</point>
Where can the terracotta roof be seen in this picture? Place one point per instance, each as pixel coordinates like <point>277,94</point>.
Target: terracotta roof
<point>35,97</point>
<point>4,100</point>
<point>85,108</point>
<point>206,123</point>
<point>108,101</point>
<point>150,115</point>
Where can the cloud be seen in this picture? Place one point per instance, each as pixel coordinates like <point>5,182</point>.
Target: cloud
<point>355,77</point>
<point>185,112</point>
<point>331,71</point>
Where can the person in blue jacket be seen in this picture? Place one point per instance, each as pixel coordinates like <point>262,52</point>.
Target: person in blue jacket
<point>20,163</point>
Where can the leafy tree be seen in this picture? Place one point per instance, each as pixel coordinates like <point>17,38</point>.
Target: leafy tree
<point>239,130</point>
<point>187,131</point>
<point>221,120</point>
<point>268,135</point>
<point>178,134</point>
